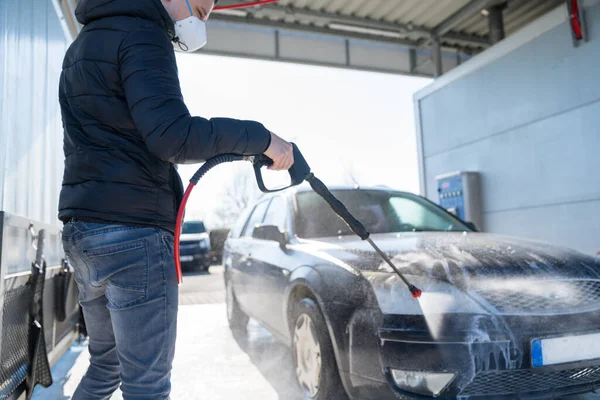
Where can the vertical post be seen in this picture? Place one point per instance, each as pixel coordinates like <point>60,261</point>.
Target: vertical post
<point>277,44</point>
<point>3,268</point>
<point>412,60</point>
<point>496,22</point>
<point>436,55</point>
<point>347,43</point>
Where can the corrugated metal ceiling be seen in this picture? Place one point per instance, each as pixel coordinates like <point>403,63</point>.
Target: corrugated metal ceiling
<point>410,20</point>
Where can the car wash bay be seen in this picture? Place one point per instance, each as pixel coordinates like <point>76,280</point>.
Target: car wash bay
<point>507,136</point>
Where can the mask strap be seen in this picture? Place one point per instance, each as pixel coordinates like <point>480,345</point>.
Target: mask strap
<point>189,7</point>
<point>175,39</point>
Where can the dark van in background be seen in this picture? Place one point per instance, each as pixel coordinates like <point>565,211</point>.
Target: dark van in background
<point>195,247</point>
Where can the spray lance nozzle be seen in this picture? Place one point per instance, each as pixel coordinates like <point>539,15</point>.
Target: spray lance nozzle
<point>415,291</point>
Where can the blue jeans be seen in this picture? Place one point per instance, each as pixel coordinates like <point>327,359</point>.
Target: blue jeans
<point>129,295</point>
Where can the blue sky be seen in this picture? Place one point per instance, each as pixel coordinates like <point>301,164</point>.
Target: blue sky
<point>340,119</point>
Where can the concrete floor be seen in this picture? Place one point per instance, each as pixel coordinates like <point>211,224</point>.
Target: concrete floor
<point>210,363</point>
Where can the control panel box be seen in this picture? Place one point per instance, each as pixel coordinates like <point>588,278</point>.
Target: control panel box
<point>459,193</point>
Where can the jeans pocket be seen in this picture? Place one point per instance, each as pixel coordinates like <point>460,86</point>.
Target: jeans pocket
<point>123,270</point>
<point>168,242</point>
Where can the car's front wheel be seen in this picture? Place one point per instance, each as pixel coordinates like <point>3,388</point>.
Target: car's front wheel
<point>312,351</point>
<point>237,319</point>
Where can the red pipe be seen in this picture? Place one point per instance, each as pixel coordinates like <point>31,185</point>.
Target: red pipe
<point>244,5</point>
<point>187,193</point>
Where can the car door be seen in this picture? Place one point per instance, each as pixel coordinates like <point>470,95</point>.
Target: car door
<point>243,270</point>
<point>232,251</point>
<point>270,269</point>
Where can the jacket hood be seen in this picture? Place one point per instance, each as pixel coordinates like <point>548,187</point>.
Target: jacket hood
<point>458,256</point>
<point>90,10</point>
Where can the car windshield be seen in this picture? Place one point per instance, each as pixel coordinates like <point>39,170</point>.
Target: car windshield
<point>378,210</point>
<point>193,227</point>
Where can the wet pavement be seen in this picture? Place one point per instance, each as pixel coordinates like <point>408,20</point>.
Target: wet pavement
<point>210,363</point>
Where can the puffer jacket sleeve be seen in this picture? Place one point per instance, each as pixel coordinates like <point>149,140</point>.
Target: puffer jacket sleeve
<point>150,82</point>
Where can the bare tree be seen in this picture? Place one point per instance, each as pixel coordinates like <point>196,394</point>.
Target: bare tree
<point>237,195</point>
<point>350,175</point>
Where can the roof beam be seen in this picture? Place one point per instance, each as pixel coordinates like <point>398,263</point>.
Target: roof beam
<point>266,23</point>
<point>322,18</point>
<point>473,40</point>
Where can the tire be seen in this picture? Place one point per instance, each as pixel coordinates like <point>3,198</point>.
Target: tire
<point>198,267</point>
<point>237,319</point>
<point>328,385</point>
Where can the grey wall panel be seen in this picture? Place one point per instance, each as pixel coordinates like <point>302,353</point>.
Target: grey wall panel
<point>237,39</point>
<point>564,224</point>
<point>425,64</point>
<point>30,127</point>
<point>546,162</point>
<point>301,46</point>
<point>372,56</point>
<point>528,122</point>
<point>275,42</point>
<point>545,77</point>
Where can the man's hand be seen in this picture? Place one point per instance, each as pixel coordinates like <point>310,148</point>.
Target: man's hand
<point>281,152</point>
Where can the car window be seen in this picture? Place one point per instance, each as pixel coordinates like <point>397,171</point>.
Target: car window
<point>277,213</point>
<point>240,222</point>
<point>414,214</point>
<point>379,211</point>
<point>255,218</point>
<point>193,227</point>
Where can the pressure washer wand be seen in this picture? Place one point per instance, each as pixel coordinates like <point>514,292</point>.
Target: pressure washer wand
<point>300,172</point>
<point>354,224</point>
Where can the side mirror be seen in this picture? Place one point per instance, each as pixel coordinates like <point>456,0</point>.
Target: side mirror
<point>270,232</point>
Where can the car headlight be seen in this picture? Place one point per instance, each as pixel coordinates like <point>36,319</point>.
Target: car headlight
<point>425,383</point>
<point>438,297</point>
<point>203,244</point>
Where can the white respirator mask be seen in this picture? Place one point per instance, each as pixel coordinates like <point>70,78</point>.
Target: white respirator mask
<point>190,33</point>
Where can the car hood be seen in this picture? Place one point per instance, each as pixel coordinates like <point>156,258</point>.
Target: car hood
<point>459,257</point>
<point>193,237</point>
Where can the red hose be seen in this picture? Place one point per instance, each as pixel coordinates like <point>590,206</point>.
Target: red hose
<point>243,5</point>
<point>178,225</point>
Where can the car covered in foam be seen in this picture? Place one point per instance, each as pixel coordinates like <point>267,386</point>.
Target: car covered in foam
<point>500,317</point>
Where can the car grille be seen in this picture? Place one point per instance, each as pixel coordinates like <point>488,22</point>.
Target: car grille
<point>550,296</point>
<point>527,381</point>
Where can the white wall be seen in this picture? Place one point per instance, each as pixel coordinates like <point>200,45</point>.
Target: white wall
<point>32,46</point>
<point>527,117</point>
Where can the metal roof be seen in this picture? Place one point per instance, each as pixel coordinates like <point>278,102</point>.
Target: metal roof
<point>415,37</point>
<point>460,24</point>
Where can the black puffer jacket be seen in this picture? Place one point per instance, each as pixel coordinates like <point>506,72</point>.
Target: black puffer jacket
<point>125,122</point>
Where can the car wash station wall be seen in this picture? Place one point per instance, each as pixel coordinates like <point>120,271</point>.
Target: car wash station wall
<point>524,116</point>
<point>32,46</point>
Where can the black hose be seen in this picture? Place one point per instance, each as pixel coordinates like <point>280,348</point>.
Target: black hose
<point>213,162</point>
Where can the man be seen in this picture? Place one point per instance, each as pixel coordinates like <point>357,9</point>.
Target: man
<point>125,126</point>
